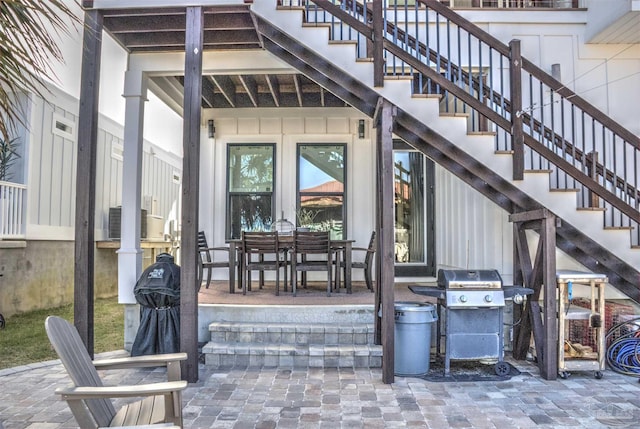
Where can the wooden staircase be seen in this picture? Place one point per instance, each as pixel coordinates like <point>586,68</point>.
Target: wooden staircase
<point>475,157</point>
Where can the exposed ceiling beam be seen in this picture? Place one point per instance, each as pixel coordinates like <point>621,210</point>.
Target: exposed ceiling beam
<point>226,87</point>
<point>251,86</point>
<point>298,86</point>
<point>168,38</point>
<point>274,88</point>
<point>170,90</point>
<point>157,11</point>
<point>208,89</point>
<point>225,27</point>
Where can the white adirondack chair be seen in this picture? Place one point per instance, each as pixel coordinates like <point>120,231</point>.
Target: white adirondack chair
<point>89,400</point>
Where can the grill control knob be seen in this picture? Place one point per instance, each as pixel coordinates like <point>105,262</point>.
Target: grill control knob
<point>488,298</point>
<point>463,298</point>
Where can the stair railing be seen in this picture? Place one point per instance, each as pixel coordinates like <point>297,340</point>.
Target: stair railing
<point>543,123</point>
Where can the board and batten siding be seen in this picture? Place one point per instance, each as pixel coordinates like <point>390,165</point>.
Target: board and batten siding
<point>471,231</point>
<point>52,172</point>
<point>161,184</point>
<point>286,128</point>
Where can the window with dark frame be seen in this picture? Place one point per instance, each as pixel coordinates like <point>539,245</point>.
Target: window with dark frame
<point>250,185</point>
<point>321,185</point>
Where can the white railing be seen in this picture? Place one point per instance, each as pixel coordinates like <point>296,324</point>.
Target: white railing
<point>12,211</point>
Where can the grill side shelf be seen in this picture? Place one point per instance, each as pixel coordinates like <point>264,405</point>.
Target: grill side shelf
<point>432,291</point>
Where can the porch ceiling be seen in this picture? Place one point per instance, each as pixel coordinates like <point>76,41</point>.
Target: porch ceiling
<point>225,28</point>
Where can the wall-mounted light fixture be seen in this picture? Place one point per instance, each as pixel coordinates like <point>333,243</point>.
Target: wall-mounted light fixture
<point>361,128</point>
<point>211,129</point>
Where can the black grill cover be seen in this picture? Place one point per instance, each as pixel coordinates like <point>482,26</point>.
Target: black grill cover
<point>158,293</point>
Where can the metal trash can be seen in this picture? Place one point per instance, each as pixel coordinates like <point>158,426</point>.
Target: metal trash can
<point>413,325</point>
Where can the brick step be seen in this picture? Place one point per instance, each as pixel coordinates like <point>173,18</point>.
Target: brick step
<point>291,355</point>
<point>291,333</point>
<point>318,345</point>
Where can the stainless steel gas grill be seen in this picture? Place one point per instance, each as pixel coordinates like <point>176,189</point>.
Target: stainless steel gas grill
<point>473,301</point>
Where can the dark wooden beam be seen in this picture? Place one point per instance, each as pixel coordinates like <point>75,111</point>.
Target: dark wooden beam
<point>521,275</point>
<point>190,192</point>
<point>177,37</point>
<point>537,214</point>
<point>543,273</point>
<point>549,368</point>
<point>378,45</point>
<point>517,131</point>
<point>83,279</point>
<point>174,20</point>
<point>386,235</point>
<point>145,24</point>
<point>143,12</point>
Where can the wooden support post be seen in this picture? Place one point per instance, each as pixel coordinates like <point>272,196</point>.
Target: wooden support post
<point>83,279</point>
<point>549,368</point>
<point>384,118</point>
<point>517,132</point>
<point>190,191</point>
<point>521,276</point>
<point>378,47</point>
<point>377,333</point>
<point>543,273</point>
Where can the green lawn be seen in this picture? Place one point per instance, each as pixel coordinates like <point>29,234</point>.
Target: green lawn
<point>23,340</point>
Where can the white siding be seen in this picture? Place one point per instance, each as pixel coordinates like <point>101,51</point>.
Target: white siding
<point>52,173</point>
<point>286,128</point>
<point>471,231</point>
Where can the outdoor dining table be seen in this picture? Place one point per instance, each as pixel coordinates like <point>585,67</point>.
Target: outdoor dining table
<point>286,245</point>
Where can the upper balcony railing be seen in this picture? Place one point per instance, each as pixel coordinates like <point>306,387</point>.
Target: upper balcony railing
<point>506,4</point>
<point>12,213</point>
<point>473,4</point>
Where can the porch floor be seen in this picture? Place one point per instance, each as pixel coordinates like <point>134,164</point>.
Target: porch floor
<point>314,294</point>
<point>344,397</point>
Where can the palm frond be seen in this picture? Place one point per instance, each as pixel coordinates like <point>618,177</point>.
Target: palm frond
<point>28,33</point>
<point>8,157</point>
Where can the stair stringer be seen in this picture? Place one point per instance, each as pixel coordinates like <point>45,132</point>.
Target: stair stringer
<point>353,82</point>
<point>562,204</point>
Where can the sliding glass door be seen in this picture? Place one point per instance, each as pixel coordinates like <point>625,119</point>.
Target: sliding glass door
<point>414,212</point>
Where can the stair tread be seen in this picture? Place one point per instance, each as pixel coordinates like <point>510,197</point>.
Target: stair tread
<point>222,348</point>
<point>306,327</point>
<point>288,346</point>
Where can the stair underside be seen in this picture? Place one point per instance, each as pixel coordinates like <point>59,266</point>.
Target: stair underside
<point>440,148</point>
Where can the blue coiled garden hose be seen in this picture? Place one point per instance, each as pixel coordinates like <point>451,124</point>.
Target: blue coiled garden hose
<point>623,354</point>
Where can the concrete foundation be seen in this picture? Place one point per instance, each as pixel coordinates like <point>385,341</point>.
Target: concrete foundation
<point>39,274</point>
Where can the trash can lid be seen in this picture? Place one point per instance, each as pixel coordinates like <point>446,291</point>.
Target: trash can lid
<point>415,312</point>
<point>413,306</point>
